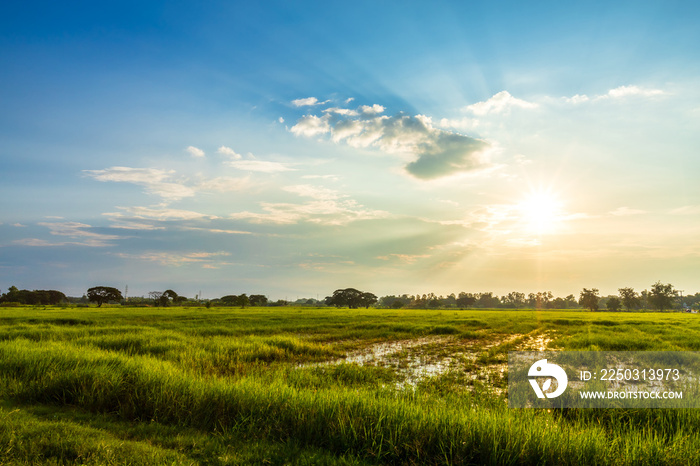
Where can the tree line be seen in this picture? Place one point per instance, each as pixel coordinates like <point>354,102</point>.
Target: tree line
<point>660,297</point>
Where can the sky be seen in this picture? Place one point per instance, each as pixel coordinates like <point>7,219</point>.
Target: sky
<point>294,148</point>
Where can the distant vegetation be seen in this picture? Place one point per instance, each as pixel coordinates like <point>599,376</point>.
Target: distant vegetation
<point>659,297</point>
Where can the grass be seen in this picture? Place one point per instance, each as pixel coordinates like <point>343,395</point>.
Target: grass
<point>231,386</point>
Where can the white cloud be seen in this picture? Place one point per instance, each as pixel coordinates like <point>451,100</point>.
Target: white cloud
<point>311,125</point>
<point>307,102</point>
<point>349,99</point>
<point>130,175</point>
<point>341,111</point>
<point>372,110</point>
<point>577,99</point>
<point>436,152</point>
<point>500,103</point>
<point>154,180</point>
<point>625,91</point>
<point>260,166</point>
<point>195,152</point>
<point>280,119</point>
<point>230,152</point>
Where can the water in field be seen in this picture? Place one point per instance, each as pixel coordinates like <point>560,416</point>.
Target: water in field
<point>416,360</point>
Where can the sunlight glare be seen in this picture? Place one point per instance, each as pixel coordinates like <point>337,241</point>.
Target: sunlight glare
<point>540,211</point>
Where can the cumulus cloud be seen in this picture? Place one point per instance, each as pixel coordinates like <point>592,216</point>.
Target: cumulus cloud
<point>577,99</point>
<point>230,152</point>
<point>372,110</point>
<point>195,152</point>
<point>311,125</point>
<point>500,103</point>
<point>155,181</point>
<point>436,152</point>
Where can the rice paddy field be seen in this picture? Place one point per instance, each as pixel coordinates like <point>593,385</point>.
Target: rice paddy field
<point>120,385</point>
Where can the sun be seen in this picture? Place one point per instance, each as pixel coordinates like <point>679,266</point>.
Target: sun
<point>540,211</point>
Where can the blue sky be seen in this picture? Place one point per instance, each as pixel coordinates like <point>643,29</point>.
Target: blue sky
<point>292,148</point>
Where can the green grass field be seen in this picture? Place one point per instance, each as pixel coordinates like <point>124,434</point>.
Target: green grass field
<point>316,386</point>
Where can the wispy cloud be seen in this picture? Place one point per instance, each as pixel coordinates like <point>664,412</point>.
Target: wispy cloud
<point>156,181</point>
<point>404,258</point>
<point>626,211</point>
<point>307,102</point>
<point>686,210</point>
<point>436,153</point>
<point>224,184</point>
<point>315,192</point>
<point>162,213</point>
<point>205,259</point>
<point>617,93</point>
<point>260,166</point>
<point>327,207</point>
<point>81,233</point>
<point>165,184</point>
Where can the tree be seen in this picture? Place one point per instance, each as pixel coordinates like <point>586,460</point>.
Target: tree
<point>367,299</point>
<point>487,300</point>
<point>36,297</point>
<point>629,297</point>
<point>242,300</point>
<point>570,301</point>
<point>167,297</point>
<point>157,297</point>
<point>257,300</point>
<point>349,297</point>
<point>103,294</point>
<point>613,304</point>
<point>229,300</point>
<point>465,300</point>
<point>661,296</point>
<point>589,299</point>
<point>514,299</point>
